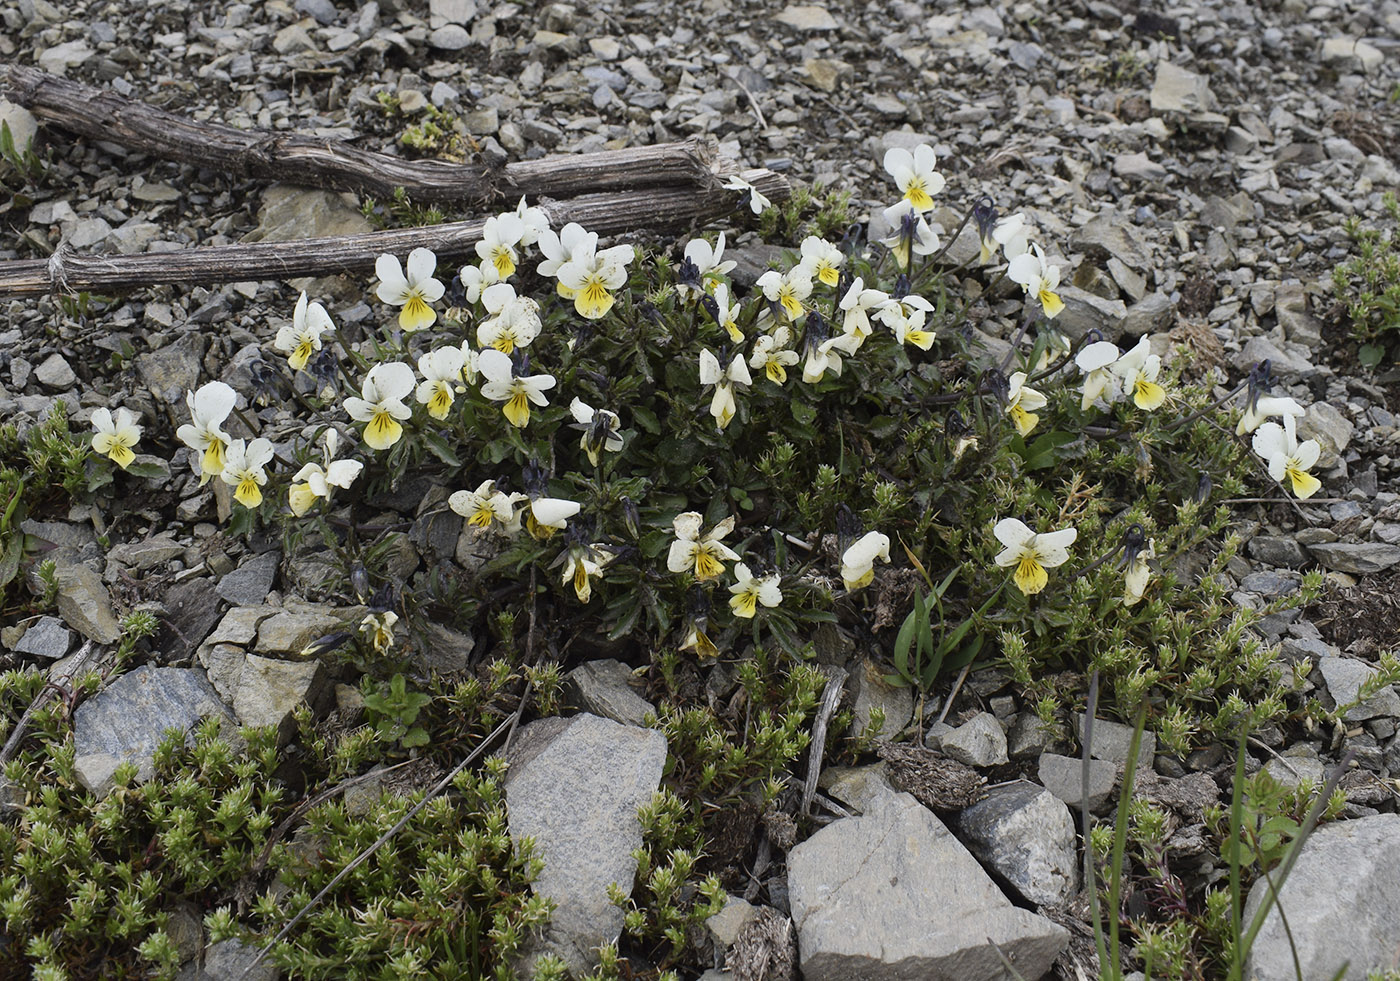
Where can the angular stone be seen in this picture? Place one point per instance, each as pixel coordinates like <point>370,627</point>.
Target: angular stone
<point>1153,314</point>
<point>1109,236</point>
<point>450,37</point>
<point>574,785</point>
<point>807,17</point>
<point>249,584</point>
<point>444,650</point>
<point>825,73</point>
<point>1138,166</point>
<point>269,690</point>
<point>980,741</point>
<point>1291,308</point>
<point>174,369</point>
<point>127,721</point>
<point>1278,551</point>
<point>1342,901</point>
<point>1176,89</point>
<point>85,605</point>
<point>148,554</point>
<point>1344,677</point>
<point>47,637</point>
<point>291,213</point>
<point>1112,740</point>
<point>1351,55</point>
<point>291,630</point>
<point>1084,312</point>
<point>725,925</point>
<point>1325,423</point>
<point>1025,834</point>
<point>1063,777</point>
<point>231,960</point>
<point>892,894</point>
<point>55,372</point>
<point>1359,558</point>
<point>604,688</point>
<point>870,691</point>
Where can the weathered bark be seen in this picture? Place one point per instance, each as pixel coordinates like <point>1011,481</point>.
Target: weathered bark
<point>100,114</point>
<point>610,213</point>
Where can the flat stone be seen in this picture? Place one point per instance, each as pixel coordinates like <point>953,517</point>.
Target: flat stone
<point>451,12</point>
<point>290,631</point>
<point>892,894</point>
<point>127,721</point>
<point>1025,834</point>
<point>23,128</point>
<point>574,786</point>
<point>249,584</point>
<point>269,691</point>
<point>174,369</point>
<point>1270,585</point>
<point>1112,740</point>
<point>1344,677</point>
<point>870,691</point>
<point>1138,166</point>
<point>725,925</point>
<point>230,960</point>
<point>55,372</point>
<point>450,37</point>
<point>291,213</point>
<point>1327,424</point>
<point>443,651</point>
<point>1085,311</point>
<point>604,688</point>
<point>59,58</point>
<point>1288,364</point>
<point>1277,550</point>
<point>807,17</point>
<point>1175,89</point>
<point>1110,236</point>
<point>1342,902</point>
<point>825,73</point>
<point>1153,314</point>
<point>1359,558</point>
<point>46,637</point>
<point>148,554</point>
<point>1291,308</point>
<point>1347,54</point>
<point>85,605</point>
<point>980,741</point>
<point>1291,771</point>
<point>1063,777</point>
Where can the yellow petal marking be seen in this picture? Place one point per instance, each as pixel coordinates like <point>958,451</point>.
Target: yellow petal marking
<point>1030,576</point>
<point>776,372</point>
<point>301,498</point>
<point>213,460</point>
<point>828,275</point>
<point>383,430</point>
<point>917,193</point>
<point>416,314</point>
<point>582,586</point>
<point>594,300</point>
<point>706,565</point>
<point>441,400</point>
<point>302,354</point>
<point>1050,302</point>
<point>1148,395</point>
<point>248,493</point>
<point>791,305</point>
<point>745,604</point>
<point>503,260</point>
<point>517,408</point>
<point>1023,420</point>
<point>1305,485</point>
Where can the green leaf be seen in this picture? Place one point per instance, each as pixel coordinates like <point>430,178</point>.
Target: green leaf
<point>145,469</point>
<point>440,449</point>
<point>802,412</point>
<point>1370,355</point>
<point>1041,454</point>
<point>646,419</point>
<point>881,427</point>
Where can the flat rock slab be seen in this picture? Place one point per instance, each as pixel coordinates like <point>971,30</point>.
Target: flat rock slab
<point>1342,901</point>
<point>893,896</point>
<point>128,720</point>
<point>574,786</point>
<point>1025,834</point>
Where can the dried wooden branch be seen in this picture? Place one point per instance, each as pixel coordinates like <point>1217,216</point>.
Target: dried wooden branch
<point>611,213</point>
<point>101,114</point>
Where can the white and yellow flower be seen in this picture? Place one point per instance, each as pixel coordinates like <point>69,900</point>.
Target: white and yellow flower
<point>499,245</point>
<point>722,406</point>
<point>502,385</point>
<point>313,480</point>
<point>914,174</point>
<point>601,429</point>
<point>905,317</point>
<point>209,407</point>
<point>757,202</point>
<point>514,320</point>
<point>772,353</point>
<point>486,507</point>
<point>1287,458</point>
<point>592,277</point>
<point>708,260</point>
<point>244,470</point>
<point>858,561</point>
<point>858,304</point>
<point>477,278</point>
<point>534,220</point>
<point>378,629</point>
<point>787,290</point>
<point>1138,370</point>
<point>1037,278</point>
<point>115,438</point>
<point>825,356</point>
<point>703,556</point>
<point>919,237</point>
<point>302,337</point>
<point>382,409</point>
<point>1012,234</point>
<point>1022,402</point>
<point>822,260</point>
<point>561,248</point>
<point>748,591</point>
<point>1136,575</point>
<point>727,314</point>
<point>1030,553</point>
<point>583,566</point>
<point>442,380</point>
<point>415,292</point>
<point>1094,360</point>
<point>1263,408</point>
<point>546,515</point>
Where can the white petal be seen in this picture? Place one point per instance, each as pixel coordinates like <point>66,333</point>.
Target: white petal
<point>213,402</point>
<point>421,264</point>
<point>553,511</point>
<point>710,373</point>
<point>495,366</point>
<point>1012,532</point>
<point>687,525</point>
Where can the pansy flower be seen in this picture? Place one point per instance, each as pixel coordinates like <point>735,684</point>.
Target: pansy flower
<point>911,233</point>
<point>772,353</point>
<point>757,202</point>
<point>726,314</point>
<point>382,408</point>
<point>702,555</point>
<point>1037,278</point>
<point>244,469</point>
<point>302,337</point>
<point>1264,407</point>
<point>546,515</point>
<point>584,564</point>
<point>442,380</point>
<point>722,406</point>
<point>787,290</point>
<point>858,561</point>
<point>749,590</point>
<point>115,438</point>
<point>209,407</point>
<point>486,507</point>
<point>822,260</point>
<point>858,304</point>
<point>914,174</point>
<point>514,320</point>
<point>709,261</point>
<point>313,480</point>
<point>1138,369</point>
<point>1031,553</point>
<point>1094,360</point>
<point>1022,403</point>
<point>500,237</point>
<point>591,277</point>
<point>415,292</point>
<point>1286,457</point>
<point>517,392</point>
<point>601,429</point>
<point>560,249</point>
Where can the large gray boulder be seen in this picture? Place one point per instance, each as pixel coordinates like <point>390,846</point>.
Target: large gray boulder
<point>574,786</point>
<point>1342,902</point>
<point>891,895</point>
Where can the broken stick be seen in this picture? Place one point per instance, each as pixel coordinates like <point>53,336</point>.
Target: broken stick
<point>608,214</point>
<point>101,114</point>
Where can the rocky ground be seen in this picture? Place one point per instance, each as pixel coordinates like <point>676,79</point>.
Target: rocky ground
<point>1192,166</point>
